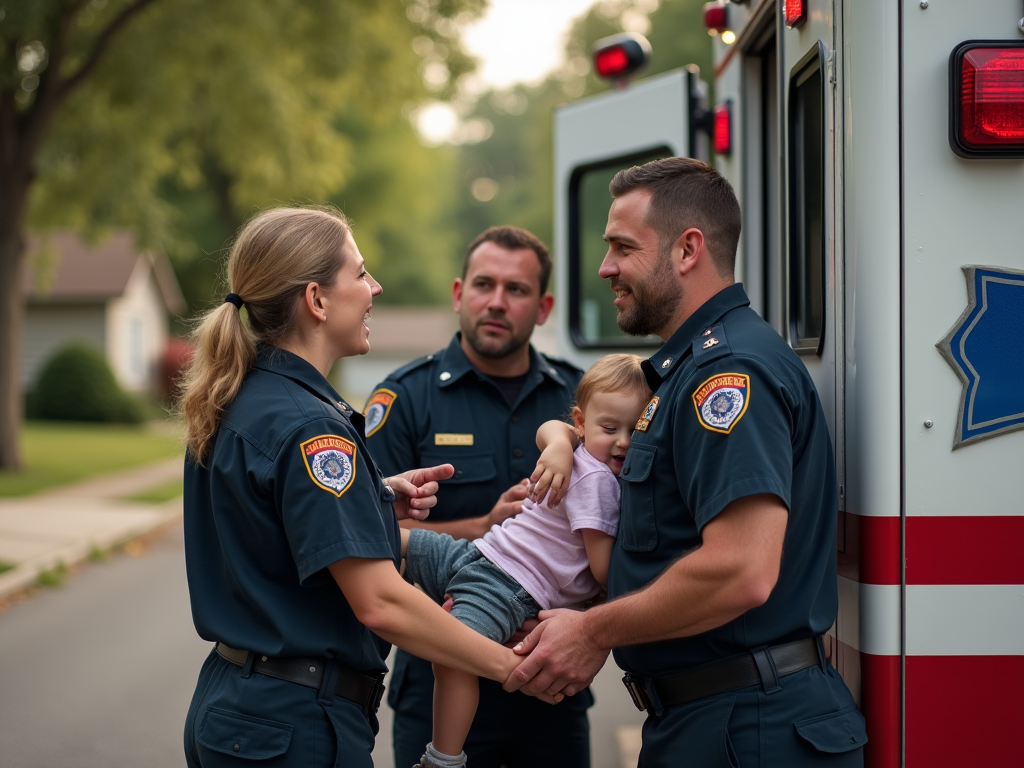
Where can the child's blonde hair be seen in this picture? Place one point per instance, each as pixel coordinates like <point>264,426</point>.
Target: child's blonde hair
<point>614,373</point>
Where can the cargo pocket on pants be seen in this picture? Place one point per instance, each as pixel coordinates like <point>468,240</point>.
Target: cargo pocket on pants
<point>836,732</point>
<point>243,736</point>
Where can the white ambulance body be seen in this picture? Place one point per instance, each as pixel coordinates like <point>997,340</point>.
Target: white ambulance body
<point>865,209</point>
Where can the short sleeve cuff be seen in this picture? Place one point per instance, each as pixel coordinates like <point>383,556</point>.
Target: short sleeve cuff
<point>741,488</point>
<point>370,550</point>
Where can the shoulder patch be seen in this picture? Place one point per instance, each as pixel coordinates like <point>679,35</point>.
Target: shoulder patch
<point>710,344</point>
<point>721,401</point>
<point>377,409</point>
<point>331,462</point>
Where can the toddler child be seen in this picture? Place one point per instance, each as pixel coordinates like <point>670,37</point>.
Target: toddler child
<point>545,557</point>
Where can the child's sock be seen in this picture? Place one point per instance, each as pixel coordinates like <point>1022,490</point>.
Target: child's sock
<point>435,759</point>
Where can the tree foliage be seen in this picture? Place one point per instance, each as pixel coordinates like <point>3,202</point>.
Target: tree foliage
<point>517,157</point>
<point>133,112</point>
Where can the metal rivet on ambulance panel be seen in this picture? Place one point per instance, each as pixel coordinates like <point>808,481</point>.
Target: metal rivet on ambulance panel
<point>928,423</point>
<point>1020,26</point>
<point>924,4</point>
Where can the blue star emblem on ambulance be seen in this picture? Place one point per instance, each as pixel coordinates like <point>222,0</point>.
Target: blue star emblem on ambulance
<point>986,349</point>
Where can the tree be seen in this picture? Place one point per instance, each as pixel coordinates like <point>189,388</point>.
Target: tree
<point>516,159</point>
<point>105,104</point>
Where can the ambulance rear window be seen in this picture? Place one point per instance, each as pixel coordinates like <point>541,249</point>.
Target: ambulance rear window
<point>806,185</point>
<point>591,312</point>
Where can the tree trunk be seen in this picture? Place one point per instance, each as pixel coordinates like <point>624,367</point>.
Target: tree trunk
<point>13,199</point>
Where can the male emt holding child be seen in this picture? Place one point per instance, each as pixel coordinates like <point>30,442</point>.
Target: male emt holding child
<point>723,576</point>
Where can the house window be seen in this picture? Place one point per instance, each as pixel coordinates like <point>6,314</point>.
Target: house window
<point>806,177</point>
<point>592,316</point>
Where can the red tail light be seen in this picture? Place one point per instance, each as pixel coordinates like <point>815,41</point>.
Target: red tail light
<point>723,128</point>
<point>716,16</point>
<point>987,99</point>
<point>795,12</point>
<point>620,56</point>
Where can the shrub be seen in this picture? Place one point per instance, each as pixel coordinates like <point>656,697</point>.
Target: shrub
<point>76,384</point>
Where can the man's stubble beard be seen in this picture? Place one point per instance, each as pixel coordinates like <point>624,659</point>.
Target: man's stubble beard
<point>655,301</point>
<point>492,349</point>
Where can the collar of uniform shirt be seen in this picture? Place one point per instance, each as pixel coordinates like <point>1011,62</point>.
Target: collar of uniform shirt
<point>678,345</point>
<point>285,363</point>
<point>454,362</point>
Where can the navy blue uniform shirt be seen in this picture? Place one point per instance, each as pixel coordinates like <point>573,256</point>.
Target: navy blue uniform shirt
<point>734,414</point>
<point>441,410</point>
<point>288,489</point>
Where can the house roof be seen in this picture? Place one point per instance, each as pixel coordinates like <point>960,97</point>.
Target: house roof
<point>62,268</point>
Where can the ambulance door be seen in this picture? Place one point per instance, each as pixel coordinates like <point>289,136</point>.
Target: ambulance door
<point>594,139</point>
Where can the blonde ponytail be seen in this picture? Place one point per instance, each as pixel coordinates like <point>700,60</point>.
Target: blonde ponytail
<point>277,254</point>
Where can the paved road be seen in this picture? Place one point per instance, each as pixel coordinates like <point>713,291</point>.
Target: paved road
<point>99,673</point>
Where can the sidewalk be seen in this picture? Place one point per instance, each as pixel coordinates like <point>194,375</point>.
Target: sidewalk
<point>64,524</point>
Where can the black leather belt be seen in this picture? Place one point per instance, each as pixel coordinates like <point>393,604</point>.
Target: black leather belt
<point>364,690</point>
<point>753,668</point>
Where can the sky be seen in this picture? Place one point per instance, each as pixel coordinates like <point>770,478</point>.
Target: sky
<point>515,41</point>
<point>521,40</point>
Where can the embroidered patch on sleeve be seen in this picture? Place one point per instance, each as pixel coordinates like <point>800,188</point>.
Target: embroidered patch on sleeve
<point>377,410</point>
<point>645,418</point>
<point>331,462</point>
<point>721,401</point>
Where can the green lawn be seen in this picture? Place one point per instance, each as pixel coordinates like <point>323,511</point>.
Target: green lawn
<point>61,453</point>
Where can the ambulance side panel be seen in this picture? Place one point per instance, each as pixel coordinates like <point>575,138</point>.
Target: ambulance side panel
<point>964,538</point>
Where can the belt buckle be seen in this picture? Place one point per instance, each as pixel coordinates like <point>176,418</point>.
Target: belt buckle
<point>636,691</point>
<point>376,695</point>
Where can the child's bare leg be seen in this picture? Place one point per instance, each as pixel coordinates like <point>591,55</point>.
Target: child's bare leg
<point>456,695</point>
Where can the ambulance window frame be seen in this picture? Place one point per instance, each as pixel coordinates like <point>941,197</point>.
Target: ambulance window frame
<point>799,248</point>
<point>579,340</point>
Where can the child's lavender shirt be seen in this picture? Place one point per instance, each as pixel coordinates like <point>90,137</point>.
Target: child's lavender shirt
<point>542,548</point>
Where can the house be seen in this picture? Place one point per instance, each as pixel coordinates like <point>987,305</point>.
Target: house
<point>111,295</point>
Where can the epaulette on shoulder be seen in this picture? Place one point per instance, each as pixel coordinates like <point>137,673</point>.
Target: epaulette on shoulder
<point>561,362</point>
<point>710,344</point>
<point>408,368</point>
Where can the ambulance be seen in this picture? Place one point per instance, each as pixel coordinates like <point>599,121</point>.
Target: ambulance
<point>877,150</point>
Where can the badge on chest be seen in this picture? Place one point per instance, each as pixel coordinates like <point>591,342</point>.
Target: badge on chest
<point>645,418</point>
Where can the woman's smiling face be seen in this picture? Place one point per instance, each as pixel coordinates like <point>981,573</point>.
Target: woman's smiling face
<point>348,303</point>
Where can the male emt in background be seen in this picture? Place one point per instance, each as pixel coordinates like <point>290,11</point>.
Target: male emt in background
<point>477,405</point>
<point>723,576</point>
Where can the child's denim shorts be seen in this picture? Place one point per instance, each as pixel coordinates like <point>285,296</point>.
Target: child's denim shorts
<point>487,599</point>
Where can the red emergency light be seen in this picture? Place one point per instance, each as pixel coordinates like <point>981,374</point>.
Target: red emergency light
<point>986,80</point>
<point>716,16</point>
<point>620,56</point>
<point>722,121</point>
<point>794,12</point>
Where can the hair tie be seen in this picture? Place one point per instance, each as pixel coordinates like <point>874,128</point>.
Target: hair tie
<point>234,298</point>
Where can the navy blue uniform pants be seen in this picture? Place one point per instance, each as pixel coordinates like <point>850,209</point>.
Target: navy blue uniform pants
<point>234,720</point>
<point>809,721</point>
<point>510,729</point>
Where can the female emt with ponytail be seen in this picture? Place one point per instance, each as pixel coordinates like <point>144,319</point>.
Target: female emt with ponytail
<point>291,543</point>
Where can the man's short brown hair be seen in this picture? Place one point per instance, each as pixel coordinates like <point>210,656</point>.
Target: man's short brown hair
<point>514,239</point>
<point>687,193</point>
